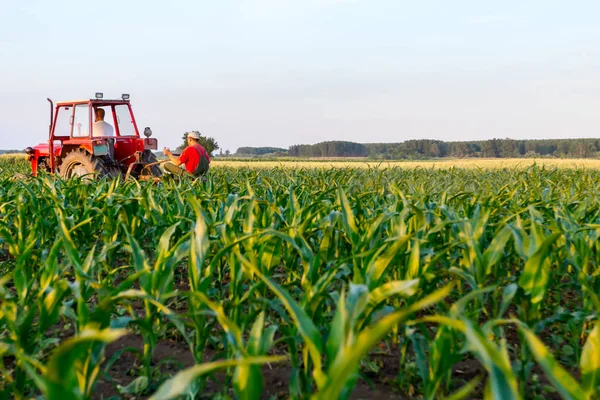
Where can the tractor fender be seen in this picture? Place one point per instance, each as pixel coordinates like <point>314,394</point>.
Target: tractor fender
<point>43,150</point>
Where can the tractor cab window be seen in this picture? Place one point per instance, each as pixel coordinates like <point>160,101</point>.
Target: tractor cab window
<point>81,121</point>
<point>103,121</point>
<point>62,123</point>
<point>125,120</point>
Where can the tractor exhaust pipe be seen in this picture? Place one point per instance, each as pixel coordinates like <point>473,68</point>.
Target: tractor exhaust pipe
<point>51,142</point>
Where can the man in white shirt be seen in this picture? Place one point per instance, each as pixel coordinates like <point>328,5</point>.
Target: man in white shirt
<point>101,128</point>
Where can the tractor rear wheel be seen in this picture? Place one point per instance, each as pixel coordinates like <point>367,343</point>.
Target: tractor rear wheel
<point>148,157</point>
<point>82,164</point>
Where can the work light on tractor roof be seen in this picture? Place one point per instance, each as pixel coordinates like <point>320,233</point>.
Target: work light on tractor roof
<point>95,138</point>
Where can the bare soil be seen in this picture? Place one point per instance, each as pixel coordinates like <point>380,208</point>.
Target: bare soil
<point>276,377</point>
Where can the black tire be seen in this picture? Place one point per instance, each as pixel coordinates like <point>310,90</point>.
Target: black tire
<point>44,164</point>
<point>112,172</point>
<point>149,157</point>
<point>82,164</point>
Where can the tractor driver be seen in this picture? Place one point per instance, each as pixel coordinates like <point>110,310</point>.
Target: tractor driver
<point>195,158</point>
<point>101,128</point>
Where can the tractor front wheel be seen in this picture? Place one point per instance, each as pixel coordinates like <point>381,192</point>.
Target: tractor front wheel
<point>81,164</point>
<point>44,164</point>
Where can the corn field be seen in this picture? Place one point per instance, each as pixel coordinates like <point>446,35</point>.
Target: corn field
<point>304,283</point>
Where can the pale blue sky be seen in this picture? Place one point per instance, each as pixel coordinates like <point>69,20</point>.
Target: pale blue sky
<point>282,72</point>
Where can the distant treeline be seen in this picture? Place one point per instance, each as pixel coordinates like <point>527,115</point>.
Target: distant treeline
<point>420,149</point>
<point>259,151</point>
<point>329,149</point>
<point>11,151</point>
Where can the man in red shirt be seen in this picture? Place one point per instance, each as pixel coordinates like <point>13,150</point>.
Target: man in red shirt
<point>194,157</point>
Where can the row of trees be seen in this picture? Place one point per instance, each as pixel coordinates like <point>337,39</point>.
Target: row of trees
<point>259,151</point>
<point>329,149</point>
<point>425,148</point>
<point>493,148</point>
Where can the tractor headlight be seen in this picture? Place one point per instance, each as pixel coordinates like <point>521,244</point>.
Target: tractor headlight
<point>147,131</point>
<point>125,96</point>
<point>29,151</point>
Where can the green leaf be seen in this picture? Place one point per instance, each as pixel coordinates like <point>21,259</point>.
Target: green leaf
<point>336,338</point>
<point>457,309</point>
<point>305,325</point>
<point>137,386</point>
<point>508,295</point>
<point>381,293</point>
<point>521,239</point>
<point>590,361</point>
<point>178,385</point>
<point>466,390</point>
<point>70,247</point>
<point>140,262</point>
<point>199,247</point>
<point>348,219</point>
<point>383,258</point>
<point>254,341</point>
<point>560,379</point>
<point>67,361</point>
<point>346,363</point>
<point>270,253</point>
<point>501,383</point>
<point>495,250</point>
<point>534,277</point>
<point>414,261</point>
<point>233,330</point>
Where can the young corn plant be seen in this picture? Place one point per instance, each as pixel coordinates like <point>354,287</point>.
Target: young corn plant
<point>311,262</point>
<point>156,286</point>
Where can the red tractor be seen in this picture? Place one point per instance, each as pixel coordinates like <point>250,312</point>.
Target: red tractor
<point>95,137</point>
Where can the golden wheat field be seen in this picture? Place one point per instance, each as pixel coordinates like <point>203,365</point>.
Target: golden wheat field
<point>491,163</point>
<point>484,163</point>
<point>17,156</point>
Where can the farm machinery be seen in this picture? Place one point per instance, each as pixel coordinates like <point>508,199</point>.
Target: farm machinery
<point>95,138</point>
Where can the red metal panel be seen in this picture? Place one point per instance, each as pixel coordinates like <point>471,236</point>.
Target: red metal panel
<point>91,123</point>
<point>150,144</point>
<point>34,167</point>
<point>115,123</point>
<point>124,148</point>
<point>43,150</point>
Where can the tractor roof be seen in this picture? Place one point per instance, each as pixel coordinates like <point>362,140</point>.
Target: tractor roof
<point>98,102</point>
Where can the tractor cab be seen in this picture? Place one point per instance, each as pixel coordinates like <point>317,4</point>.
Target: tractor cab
<point>94,136</point>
